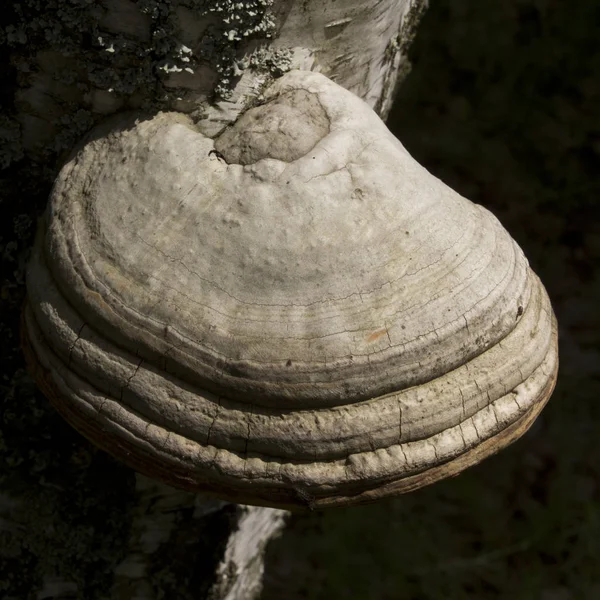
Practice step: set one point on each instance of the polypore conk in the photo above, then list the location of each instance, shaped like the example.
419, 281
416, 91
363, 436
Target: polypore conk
313, 321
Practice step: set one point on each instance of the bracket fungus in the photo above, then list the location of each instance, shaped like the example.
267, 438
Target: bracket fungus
293, 313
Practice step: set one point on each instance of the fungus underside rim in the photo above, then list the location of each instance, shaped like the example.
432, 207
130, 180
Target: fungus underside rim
277, 493
95, 411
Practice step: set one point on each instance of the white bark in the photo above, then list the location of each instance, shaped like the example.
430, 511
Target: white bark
360, 44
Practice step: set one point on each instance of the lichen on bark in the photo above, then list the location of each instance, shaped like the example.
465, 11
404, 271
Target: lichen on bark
93, 58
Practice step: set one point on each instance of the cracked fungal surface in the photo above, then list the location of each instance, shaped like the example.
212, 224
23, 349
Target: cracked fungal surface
294, 314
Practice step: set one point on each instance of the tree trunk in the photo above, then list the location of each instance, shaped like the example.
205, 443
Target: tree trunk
73, 522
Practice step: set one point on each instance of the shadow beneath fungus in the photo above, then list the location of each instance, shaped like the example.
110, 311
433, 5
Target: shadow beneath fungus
503, 105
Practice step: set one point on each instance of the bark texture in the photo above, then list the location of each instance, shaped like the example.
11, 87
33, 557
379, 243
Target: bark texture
206, 58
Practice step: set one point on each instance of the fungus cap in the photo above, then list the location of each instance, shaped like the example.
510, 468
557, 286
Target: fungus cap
294, 314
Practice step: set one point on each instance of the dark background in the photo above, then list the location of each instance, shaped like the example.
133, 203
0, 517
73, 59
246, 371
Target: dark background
502, 104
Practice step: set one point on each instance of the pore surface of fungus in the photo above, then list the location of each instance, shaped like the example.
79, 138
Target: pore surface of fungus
295, 313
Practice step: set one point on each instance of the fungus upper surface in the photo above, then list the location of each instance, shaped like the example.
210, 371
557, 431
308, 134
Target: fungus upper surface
295, 309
